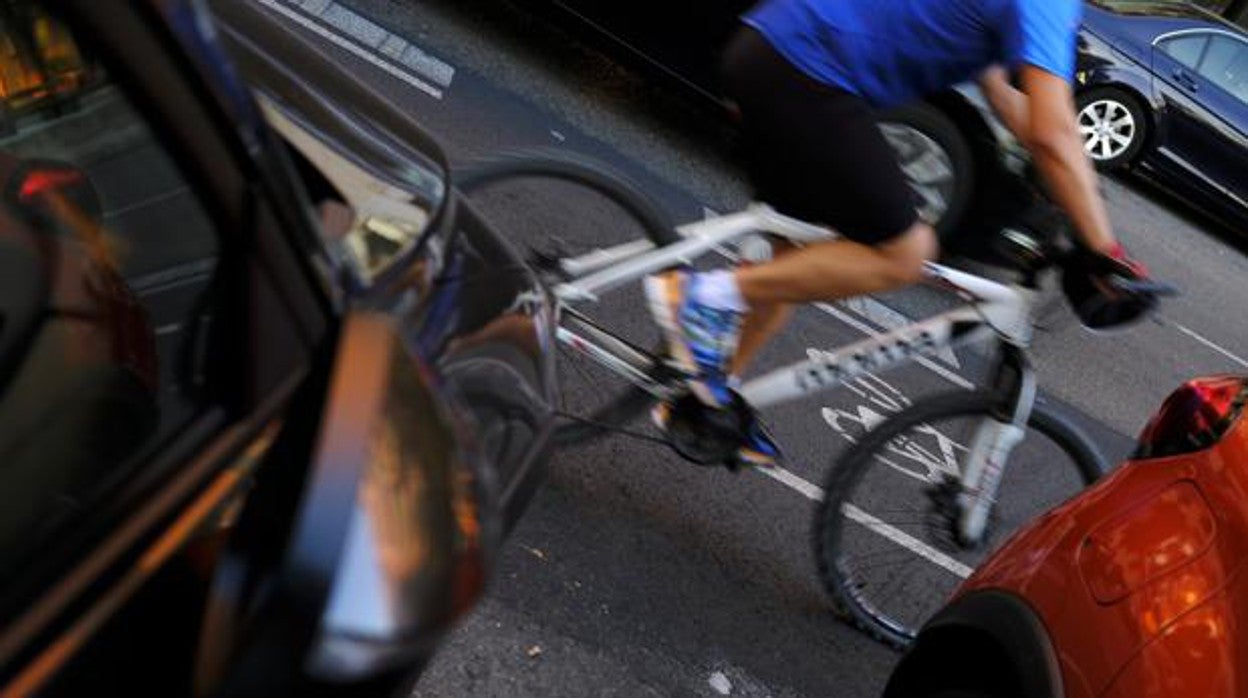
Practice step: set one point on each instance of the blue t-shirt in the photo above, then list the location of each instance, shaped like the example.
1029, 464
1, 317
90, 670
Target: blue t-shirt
890, 52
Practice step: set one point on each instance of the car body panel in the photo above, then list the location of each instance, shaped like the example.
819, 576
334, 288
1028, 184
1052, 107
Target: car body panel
474, 328
461, 278
1127, 572
1201, 654
1131, 27
467, 402
1207, 128
1100, 63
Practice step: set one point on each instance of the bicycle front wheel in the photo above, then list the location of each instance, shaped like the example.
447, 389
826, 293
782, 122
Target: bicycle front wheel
884, 533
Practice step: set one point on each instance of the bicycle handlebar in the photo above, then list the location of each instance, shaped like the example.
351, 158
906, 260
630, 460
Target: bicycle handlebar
1147, 286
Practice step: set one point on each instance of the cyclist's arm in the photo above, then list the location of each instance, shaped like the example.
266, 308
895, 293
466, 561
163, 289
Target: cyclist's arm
1006, 101
1051, 134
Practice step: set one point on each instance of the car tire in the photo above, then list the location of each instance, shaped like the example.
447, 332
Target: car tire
937, 161
1113, 126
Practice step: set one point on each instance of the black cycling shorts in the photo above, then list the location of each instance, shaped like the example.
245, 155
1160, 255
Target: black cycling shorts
813, 151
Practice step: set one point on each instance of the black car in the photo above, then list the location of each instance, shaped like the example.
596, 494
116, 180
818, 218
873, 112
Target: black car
948, 145
269, 395
1165, 86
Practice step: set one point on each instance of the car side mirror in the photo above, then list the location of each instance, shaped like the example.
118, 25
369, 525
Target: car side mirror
391, 540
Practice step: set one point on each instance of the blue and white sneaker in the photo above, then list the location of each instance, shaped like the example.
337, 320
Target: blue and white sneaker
701, 340
759, 448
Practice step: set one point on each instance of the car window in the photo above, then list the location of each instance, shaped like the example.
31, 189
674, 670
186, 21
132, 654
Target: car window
106, 263
1226, 65
380, 220
1186, 49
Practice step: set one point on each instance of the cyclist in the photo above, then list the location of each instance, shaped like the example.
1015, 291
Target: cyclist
808, 77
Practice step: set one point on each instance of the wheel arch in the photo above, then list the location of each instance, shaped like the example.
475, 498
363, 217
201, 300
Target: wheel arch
990, 641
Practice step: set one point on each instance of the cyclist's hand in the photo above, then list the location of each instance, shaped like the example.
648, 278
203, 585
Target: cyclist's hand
1116, 264
1110, 290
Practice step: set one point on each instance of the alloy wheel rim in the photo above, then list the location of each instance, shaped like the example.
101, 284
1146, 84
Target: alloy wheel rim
1108, 129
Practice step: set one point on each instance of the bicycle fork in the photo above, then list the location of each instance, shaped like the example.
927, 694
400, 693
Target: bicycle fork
994, 440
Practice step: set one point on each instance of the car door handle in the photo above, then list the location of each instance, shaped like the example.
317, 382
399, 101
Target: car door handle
1187, 81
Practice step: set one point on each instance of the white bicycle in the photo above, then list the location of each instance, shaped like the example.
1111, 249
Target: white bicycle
916, 501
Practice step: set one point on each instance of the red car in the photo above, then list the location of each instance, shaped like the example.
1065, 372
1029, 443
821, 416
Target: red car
1134, 588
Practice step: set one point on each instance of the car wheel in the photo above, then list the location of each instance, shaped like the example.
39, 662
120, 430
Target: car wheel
936, 159
1113, 126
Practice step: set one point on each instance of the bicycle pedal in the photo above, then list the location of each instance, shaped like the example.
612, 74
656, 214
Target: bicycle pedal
674, 368
705, 435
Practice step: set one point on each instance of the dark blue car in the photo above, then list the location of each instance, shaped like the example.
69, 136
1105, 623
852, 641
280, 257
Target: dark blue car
271, 391
1164, 86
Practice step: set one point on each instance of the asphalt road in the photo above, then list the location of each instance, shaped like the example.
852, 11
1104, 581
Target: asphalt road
634, 573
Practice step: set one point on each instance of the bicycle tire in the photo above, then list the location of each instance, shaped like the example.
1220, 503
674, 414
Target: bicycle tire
850, 470
654, 222
574, 168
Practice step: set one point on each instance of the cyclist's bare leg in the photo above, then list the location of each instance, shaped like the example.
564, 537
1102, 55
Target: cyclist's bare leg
763, 321
825, 271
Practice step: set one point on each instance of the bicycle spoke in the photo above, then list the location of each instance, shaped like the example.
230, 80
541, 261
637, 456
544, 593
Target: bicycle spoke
882, 558
892, 579
611, 215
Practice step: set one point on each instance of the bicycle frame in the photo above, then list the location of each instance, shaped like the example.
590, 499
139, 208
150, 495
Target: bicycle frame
992, 309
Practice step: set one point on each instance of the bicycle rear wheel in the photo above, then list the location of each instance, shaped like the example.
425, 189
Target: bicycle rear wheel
534, 191
883, 532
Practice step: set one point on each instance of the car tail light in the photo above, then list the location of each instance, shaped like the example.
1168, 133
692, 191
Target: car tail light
41, 180
1194, 417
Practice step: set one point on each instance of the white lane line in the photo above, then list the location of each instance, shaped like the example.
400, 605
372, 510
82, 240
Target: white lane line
374, 36
788, 479
1211, 345
905, 540
352, 47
